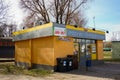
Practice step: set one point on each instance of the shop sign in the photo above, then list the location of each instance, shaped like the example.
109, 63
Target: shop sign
83, 34
59, 31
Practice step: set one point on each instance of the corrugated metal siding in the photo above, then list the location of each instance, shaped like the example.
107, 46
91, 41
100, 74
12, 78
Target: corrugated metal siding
34, 34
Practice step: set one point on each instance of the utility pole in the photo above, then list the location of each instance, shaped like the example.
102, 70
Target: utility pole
94, 22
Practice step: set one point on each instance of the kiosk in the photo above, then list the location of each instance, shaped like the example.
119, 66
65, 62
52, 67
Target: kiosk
40, 46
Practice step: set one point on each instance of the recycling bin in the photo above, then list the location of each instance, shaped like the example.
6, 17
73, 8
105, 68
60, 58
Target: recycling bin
61, 64
88, 63
69, 64
75, 61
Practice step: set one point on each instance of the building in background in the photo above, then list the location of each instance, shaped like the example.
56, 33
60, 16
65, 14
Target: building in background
115, 50
115, 45
7, 48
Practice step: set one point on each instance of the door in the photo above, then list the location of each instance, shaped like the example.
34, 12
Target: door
85, 53
82, 52
82, 46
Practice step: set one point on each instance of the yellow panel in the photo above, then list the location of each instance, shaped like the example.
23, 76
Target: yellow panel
45, 56
62, 48
99, 49
85, 29
93, 56
23, 52
45, 50
33, 29
42, 51
96, 31
73, 28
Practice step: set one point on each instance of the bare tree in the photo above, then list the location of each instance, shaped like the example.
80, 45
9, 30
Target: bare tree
66, 10
29, 20
115, 36
38, 7
2, 30
3, 11
3, 17
78, 20
11, 28
59, 11
7, 29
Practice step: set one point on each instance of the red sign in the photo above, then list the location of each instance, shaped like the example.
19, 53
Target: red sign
59, 31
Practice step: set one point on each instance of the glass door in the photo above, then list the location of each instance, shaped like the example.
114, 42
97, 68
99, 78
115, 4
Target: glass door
82, 53
84, 49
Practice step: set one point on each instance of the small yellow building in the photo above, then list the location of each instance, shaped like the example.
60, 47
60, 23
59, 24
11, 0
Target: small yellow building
40, 46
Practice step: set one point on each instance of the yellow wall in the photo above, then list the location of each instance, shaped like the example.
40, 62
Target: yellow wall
22, 51
62, 48
42, 51
46, 50
99, 46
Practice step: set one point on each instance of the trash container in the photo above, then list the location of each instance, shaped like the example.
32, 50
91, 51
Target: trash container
61, 64
75, 61
69, 64
88, 63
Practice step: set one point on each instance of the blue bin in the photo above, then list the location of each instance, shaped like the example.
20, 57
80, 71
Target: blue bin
88, 63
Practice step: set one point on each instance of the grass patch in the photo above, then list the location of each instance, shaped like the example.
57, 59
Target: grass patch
12, 69
112, 60
108, 57
107, 54
37, 72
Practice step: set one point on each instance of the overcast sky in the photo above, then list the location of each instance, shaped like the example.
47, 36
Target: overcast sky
106, 12
15, 11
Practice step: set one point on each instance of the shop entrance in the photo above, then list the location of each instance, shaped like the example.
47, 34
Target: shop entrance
84, 49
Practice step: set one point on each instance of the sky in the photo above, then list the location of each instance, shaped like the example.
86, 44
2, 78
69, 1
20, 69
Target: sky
15, 11
106, 13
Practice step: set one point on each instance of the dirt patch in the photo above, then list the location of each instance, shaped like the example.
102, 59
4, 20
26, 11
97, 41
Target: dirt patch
107, 71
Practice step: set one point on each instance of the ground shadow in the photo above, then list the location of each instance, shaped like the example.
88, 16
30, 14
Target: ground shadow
107, 70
